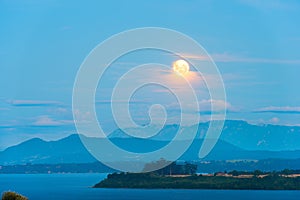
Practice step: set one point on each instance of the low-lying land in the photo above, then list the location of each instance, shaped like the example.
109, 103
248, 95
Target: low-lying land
249, 181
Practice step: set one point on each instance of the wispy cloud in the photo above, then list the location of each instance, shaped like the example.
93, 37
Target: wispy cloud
40, 121
6, 126
100, 102
274, 120
48, 121
274, 109
205, 107
225, 57
219, 105
32, 103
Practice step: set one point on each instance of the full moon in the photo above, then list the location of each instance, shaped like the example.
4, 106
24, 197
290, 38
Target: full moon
181, 67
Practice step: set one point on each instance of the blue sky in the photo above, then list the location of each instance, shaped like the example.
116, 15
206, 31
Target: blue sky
255, 45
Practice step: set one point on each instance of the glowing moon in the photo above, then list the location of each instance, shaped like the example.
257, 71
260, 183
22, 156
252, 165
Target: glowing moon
181, 67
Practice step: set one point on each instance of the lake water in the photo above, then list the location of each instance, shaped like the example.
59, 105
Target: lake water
78, 186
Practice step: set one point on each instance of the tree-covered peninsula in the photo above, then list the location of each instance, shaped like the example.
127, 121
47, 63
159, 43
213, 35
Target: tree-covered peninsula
184, 177
247, 182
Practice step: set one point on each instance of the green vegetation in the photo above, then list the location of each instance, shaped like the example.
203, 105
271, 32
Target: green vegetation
183, 176
13, 196
272, 181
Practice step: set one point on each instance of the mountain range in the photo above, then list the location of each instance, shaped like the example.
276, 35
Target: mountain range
239, 133
239, 141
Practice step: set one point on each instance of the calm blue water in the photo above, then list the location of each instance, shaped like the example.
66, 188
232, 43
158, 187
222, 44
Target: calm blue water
77, 186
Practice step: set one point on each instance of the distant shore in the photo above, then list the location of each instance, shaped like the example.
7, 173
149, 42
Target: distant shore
271, 181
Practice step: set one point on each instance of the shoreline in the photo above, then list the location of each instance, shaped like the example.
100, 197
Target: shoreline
194, 189
272, 182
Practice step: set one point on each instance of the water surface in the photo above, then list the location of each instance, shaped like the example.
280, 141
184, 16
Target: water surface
78, 186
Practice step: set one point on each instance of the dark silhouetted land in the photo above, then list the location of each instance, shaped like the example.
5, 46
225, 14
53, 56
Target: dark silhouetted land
234, 180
